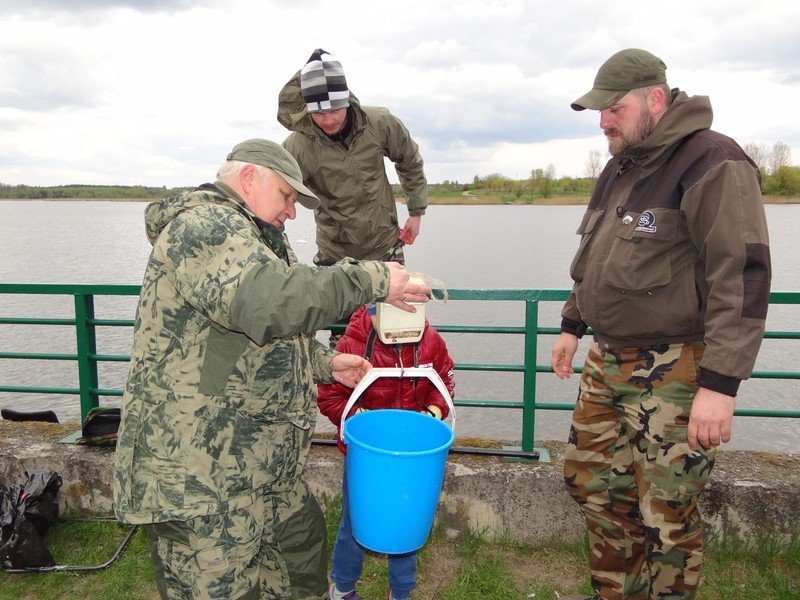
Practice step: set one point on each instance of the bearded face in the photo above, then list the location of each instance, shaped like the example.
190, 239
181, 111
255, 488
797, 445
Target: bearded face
627, 123
620, 140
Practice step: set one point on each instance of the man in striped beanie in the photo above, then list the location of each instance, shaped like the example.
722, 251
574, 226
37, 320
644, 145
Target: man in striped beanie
340, 146
322, 83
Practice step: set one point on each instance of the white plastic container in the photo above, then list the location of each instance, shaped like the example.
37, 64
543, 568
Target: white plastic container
396, 326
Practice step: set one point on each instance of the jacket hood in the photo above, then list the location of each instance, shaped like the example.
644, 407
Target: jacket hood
685, 116
160, 213
292, 112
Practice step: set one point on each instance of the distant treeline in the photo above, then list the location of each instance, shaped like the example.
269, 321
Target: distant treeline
35, 192
783, 181
541, 184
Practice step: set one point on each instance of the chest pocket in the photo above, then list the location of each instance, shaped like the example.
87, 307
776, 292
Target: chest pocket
639, 261
591, 219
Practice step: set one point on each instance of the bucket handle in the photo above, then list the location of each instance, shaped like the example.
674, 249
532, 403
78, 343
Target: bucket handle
376, 373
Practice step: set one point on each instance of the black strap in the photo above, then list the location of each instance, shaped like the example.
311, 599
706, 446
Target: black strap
368, 348
370, 344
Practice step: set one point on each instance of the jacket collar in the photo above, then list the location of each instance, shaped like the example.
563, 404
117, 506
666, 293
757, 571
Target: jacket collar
685, 116
271, 234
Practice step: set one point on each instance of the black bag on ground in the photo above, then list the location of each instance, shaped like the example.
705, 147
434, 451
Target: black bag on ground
100, 428
26, 513
43, 416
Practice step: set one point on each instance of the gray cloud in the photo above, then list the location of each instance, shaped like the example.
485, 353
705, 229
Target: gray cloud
558, 49
35, 78
536, 40
514, 120
465, 77
9, 123
10, 7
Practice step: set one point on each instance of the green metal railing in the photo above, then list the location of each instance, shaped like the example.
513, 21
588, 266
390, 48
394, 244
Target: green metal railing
85, 325
87, 358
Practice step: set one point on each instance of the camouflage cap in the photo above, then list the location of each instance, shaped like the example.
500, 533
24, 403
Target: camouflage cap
625, 71
276, 157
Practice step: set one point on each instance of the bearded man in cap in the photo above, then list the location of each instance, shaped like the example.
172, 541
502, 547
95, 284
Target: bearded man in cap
672, 275
340, 146
219, 405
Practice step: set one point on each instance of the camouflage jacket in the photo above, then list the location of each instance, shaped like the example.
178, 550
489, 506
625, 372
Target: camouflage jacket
357, 215
220, 397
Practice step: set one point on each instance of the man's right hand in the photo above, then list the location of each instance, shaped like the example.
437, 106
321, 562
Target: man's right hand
563, 352
710, 420
403, 290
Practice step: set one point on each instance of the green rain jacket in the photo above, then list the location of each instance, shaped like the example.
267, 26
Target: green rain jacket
357, 216
220, 398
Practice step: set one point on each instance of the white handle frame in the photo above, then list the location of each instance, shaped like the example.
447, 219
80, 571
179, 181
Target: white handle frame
399, 372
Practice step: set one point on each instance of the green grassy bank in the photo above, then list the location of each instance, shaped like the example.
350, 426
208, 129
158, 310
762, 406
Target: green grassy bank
467, 568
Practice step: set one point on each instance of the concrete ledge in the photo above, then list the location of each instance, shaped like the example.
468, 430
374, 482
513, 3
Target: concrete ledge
748, 491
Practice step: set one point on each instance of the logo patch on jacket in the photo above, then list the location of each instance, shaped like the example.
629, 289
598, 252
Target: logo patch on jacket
647, 222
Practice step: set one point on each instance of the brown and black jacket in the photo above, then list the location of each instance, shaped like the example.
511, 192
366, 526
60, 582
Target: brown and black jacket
674, 248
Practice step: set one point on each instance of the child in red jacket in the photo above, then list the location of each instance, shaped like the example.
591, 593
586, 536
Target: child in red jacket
416, 394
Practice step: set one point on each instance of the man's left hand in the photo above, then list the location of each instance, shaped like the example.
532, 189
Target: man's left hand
349, 369
410, 230
711, 419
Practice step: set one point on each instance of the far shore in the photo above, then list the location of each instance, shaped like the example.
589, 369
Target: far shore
559, 200
456, 200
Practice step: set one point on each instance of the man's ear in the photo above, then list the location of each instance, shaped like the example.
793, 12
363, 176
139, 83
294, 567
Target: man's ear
657, 101
246, 177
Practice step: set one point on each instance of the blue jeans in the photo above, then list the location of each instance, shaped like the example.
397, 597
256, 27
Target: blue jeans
348, 558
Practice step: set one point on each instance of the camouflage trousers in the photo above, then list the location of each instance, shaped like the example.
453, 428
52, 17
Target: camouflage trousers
276, 549
629, 467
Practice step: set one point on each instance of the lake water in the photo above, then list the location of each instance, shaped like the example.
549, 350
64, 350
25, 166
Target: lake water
463, 246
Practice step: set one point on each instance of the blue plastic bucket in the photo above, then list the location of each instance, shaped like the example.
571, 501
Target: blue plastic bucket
395, 468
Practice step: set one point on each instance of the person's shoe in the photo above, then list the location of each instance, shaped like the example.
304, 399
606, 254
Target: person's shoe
334, 594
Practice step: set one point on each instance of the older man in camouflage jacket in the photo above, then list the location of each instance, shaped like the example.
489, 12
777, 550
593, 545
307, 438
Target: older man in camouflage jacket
218, 409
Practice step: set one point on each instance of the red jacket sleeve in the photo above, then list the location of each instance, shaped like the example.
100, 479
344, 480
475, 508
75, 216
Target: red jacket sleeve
443, 364
333, 397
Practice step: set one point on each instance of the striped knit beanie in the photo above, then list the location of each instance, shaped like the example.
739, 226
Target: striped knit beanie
322, 83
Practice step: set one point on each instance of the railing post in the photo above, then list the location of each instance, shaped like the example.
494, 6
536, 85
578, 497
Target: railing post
529, 378
87, 344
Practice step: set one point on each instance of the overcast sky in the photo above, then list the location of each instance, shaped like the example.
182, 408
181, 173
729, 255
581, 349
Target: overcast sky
156, 92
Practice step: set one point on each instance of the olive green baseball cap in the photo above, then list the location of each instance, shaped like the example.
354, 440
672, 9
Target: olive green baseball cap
276, 157
625, 71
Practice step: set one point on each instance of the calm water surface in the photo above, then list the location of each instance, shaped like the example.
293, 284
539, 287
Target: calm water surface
463, 246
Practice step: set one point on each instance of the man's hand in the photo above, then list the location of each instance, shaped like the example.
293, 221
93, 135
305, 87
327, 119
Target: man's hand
410, 230
349, 369
403, 289
562, 354
711, 419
